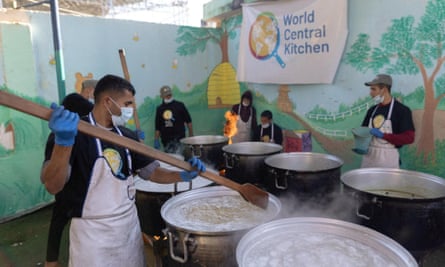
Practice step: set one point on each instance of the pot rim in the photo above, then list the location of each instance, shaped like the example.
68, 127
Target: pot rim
347, 178
206, 140
202, 193
366, 236
269, 159
274, 148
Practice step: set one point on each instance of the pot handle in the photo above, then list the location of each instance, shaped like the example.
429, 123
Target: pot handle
171, 239
176, 188
196, 152
374, 202
232, 159
277, 184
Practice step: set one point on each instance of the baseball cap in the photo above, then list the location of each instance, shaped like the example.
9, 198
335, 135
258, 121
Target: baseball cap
380, 79
165, 91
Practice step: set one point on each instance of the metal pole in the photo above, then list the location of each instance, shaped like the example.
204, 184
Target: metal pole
58, 49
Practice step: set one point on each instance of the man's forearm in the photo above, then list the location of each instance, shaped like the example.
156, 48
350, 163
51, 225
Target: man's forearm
401, 139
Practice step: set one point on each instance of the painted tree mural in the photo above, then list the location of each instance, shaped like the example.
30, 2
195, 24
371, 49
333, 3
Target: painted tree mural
406, 48
223, 88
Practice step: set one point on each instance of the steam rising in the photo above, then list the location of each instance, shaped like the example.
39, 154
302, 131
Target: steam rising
334, 205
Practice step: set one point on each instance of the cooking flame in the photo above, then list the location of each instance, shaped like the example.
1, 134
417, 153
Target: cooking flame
230, 126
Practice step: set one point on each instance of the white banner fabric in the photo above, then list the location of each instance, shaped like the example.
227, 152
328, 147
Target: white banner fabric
292, 42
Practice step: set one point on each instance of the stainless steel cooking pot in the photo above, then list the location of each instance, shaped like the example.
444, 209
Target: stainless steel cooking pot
206, 147
190, 242
244, 162
407, 206
150, 197
305, 175
307, 241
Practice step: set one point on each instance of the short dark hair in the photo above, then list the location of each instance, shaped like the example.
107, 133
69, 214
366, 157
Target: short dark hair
267, 114
112, 83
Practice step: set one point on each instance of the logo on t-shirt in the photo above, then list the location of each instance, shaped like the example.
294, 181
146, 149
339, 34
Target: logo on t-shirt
168, 118
378, 121
114, 160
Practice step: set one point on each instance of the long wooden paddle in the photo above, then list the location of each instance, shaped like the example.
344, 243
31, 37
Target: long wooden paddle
248, 191
127, 77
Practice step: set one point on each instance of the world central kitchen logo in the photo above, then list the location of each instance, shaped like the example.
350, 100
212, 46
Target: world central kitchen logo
300, 36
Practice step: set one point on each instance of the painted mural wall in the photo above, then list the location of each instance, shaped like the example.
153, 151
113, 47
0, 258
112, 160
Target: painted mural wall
200, 64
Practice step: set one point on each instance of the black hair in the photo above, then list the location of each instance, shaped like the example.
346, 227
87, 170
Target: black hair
76, 103
247, 94
112, 83
267, 114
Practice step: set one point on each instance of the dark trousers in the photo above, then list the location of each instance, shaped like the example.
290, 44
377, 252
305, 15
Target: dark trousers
59, 220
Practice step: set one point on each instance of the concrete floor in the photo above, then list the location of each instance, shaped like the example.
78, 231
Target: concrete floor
23, 243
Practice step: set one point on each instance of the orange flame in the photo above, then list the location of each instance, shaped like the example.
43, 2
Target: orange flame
230, 126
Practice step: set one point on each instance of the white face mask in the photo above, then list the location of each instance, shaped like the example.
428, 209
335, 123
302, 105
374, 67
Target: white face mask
168, 101
265, 125
378, 99
246, 103
126, 114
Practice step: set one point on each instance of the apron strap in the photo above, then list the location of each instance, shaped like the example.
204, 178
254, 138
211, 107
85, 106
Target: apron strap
99, 144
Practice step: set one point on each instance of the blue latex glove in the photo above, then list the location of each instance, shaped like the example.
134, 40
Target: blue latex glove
157, 144
63, 123
141, 134
376, 132
200, 167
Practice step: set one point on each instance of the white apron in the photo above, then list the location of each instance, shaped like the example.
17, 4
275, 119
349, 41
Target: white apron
108, 233
381, 153
243, 128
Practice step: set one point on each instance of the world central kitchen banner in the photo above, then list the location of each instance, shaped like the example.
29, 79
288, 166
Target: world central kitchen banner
292, 42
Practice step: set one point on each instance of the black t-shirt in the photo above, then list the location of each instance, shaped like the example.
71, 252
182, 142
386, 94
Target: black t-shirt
170, 120
277, 134
83, 157
401, 117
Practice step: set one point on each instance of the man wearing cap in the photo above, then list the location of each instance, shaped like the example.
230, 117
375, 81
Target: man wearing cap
171, 119
391, 125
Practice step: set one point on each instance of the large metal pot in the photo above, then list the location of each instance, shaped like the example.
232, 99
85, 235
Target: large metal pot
150, 197
311, 241
200, 243
244, 162
407, 206
305, 175
206, 147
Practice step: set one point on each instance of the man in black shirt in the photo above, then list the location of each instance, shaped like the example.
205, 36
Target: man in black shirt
268, 131
390, 123
81, 104
96, 179
171, 119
